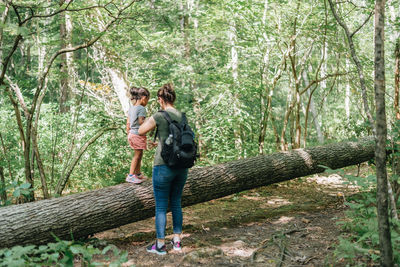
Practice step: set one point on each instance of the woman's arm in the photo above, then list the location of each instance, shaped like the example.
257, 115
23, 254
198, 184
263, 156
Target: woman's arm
141, 120
147, 126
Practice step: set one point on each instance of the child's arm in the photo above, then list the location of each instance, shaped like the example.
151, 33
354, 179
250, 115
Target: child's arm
128, 126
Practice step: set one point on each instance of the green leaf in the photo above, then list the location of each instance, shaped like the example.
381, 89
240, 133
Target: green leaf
17, 193
106, 249
25, 186
77, 249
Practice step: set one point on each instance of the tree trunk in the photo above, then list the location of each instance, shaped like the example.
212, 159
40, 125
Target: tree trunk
3, 192
64, 79
67, 70
99, 210
2, 21
120, 87
386, 252
348, 93
232, 35
397, 79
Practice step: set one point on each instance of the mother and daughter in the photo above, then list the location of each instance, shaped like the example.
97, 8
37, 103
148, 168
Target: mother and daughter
168, 183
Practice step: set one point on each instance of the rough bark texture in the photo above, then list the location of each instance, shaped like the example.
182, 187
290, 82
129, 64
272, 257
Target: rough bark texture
386, 251
3, 193
397, 79
95, 211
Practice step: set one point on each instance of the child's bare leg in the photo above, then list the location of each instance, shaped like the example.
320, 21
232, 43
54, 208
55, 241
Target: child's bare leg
137, 157
139, 165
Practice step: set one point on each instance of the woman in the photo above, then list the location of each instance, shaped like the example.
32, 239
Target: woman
167, 183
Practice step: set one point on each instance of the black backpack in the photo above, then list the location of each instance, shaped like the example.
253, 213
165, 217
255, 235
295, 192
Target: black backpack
179, 150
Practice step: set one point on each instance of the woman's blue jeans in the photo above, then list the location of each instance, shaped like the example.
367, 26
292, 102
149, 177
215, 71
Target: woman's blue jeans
168, 185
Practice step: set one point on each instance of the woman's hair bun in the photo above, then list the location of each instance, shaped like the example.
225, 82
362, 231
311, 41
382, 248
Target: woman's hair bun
168, 87
167, 93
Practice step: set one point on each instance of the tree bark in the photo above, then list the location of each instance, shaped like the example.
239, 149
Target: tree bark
386, 251
234, 65
64, 79
2, 21
99, 210
397, 79
3, 192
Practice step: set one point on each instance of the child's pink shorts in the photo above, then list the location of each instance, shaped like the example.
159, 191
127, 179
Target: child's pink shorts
137, 141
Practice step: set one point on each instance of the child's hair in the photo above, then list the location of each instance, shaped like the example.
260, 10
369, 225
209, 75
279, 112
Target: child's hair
138, 92
167, 93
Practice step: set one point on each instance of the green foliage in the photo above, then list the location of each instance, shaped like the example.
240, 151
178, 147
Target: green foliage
61, 253
153, 46
361, 238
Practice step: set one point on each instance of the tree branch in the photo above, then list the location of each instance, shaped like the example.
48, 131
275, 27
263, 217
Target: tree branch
18, 93
362, 25
357, 63
63, 180
18, 116
61, 11
6, 61
320, 80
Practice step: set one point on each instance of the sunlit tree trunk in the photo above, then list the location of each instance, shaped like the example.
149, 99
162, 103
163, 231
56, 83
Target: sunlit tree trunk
64, 79
294, 104
235, 74
397, 80
120, 87
395, 37
67, 70
381, 135
2, 21
348, 93
266, 90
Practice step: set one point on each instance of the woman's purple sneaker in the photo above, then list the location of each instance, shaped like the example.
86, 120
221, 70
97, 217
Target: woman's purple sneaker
176, 245
154, 249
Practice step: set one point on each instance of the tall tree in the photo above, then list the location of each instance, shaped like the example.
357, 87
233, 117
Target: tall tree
66, 60
381, 136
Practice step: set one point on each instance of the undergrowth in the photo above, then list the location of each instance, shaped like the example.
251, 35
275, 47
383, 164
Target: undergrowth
63, 253
359, 244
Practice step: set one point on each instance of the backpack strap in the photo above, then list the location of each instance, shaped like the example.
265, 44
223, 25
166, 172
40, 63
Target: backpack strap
167, 118
184, 119
155, 135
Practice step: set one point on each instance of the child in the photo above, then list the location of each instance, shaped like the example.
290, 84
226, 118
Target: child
136, 116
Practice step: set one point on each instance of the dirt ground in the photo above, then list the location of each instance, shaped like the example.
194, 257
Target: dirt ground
287, 224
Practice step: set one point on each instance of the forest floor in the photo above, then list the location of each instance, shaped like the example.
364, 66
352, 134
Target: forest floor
288, 224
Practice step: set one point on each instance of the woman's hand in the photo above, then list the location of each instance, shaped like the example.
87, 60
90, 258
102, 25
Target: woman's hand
148, 125
151, 144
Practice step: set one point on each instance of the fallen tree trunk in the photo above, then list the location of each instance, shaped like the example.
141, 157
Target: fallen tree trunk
87, 213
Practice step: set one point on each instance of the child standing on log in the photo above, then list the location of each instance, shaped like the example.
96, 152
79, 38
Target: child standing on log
136, 116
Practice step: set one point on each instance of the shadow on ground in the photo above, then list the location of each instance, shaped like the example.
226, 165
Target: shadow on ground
287, 224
